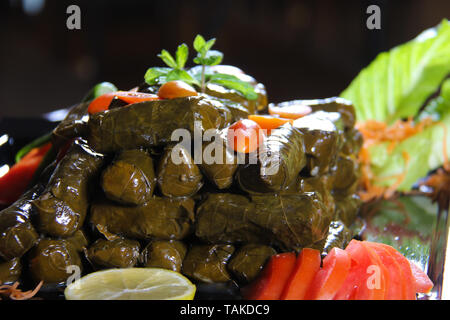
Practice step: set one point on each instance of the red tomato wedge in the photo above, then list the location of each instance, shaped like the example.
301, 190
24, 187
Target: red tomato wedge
270, 284
357, 285
293, 111
306, 267
102, 103
406, 274
17, 179
395, 288
245, 136
269, 122
176, 89
330, 278
422, 283
379, 275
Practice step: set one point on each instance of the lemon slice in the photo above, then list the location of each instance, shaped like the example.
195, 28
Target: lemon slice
131, 284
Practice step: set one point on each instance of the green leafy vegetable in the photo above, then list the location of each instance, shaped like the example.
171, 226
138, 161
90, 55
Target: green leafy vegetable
175, 70
182, 55
168, 59
177, 74
438, 107
156, 75
200, 45
425, 149
206, 58
397, 83
232, 82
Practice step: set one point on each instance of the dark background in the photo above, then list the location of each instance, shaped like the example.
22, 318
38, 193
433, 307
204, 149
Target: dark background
298, 49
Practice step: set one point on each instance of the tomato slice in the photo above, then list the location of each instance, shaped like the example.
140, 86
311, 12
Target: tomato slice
293, 111
379, 274
358, 285
395, 288
306, 267
423, 284
273, 278
407, 275
102, 102
245, 136
269, 122
331, 277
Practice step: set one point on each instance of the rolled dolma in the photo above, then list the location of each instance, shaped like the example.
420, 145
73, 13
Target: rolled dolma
248, 261
160, 218
225, 112
237, 110
17, 234
321, 186
10, 271
74, 124
164, 254
178, 175
52, 261
79, 240
333, 104
224, 218
208, 263
347, 208
345, 174
218, 91
151, 123
293, 221
130, 179
63, 205
117, 253
219, 168
280, 159
322, 141
353, 142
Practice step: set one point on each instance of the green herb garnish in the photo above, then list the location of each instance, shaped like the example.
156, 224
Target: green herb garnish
198, 77
205, 56
175, 69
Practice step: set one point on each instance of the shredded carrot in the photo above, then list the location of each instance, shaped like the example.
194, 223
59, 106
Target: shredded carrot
375, 132
14, 293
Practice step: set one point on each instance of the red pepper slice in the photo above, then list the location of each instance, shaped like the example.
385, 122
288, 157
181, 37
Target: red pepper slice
19, 176
270, 284
102, 102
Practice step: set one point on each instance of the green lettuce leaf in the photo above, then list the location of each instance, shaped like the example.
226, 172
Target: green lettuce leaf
398, 82
438, 107
425, 149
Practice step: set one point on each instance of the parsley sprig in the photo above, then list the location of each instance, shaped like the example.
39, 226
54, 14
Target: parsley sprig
199, 77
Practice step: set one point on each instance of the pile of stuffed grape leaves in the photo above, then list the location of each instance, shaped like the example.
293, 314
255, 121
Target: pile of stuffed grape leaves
120, 192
